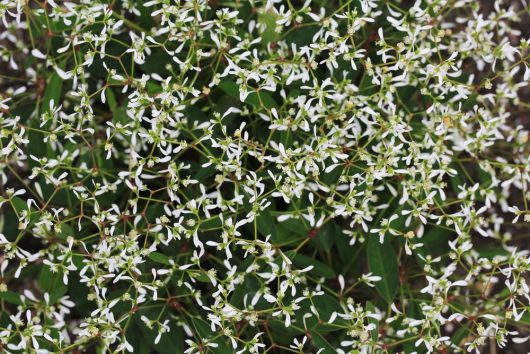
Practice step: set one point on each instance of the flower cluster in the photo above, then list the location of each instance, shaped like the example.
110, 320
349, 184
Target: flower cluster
193, 176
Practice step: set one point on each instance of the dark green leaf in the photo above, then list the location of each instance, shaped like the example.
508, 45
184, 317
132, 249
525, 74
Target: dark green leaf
321, 343
382, 261
204, 331
374, 332
10, 297
111, 99
257, 99
53, 91
159, 258
319, 268
267, 225
52, 283
19, 204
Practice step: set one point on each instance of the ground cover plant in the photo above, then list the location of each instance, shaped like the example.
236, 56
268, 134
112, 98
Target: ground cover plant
342, 176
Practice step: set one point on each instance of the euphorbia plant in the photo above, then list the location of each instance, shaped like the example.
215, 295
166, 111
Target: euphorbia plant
264, 176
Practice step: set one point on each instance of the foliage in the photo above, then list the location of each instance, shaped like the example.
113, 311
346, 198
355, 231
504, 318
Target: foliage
263, 176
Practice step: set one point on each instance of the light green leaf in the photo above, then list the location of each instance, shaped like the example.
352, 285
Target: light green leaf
268, 20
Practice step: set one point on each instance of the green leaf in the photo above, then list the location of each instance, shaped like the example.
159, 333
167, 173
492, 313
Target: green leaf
53, 91
249, 288
120, 115
290, 228
492, 252
325, 237
348, 254
282, 333
460, 335
319, 268
205, 332
374, 332
10, 297
457, 179
382, 262
257, 99
321, 343
142, 338
153, 88
326, 305
45, 278
172, 342
268, 20
213, 222
111, 99
66, 230
159, 258
484, 176
52, 283
19, 204
436, 240
267, 225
